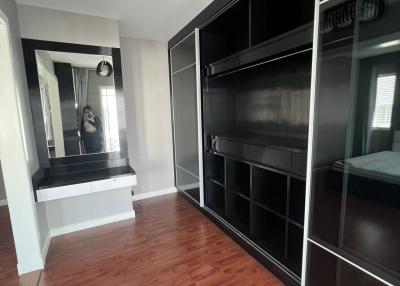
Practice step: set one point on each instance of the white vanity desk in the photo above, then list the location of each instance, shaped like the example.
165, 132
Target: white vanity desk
72, 185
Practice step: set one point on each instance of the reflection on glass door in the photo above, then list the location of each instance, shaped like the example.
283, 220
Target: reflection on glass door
355, 186
185, 117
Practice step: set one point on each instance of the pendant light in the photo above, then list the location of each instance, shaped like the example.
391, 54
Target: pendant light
104, 68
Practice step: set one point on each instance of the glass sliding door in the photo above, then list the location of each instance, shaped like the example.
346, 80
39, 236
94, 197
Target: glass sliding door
185, 116
355, 183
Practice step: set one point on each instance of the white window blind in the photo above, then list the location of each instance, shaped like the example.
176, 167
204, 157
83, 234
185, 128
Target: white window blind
385, 89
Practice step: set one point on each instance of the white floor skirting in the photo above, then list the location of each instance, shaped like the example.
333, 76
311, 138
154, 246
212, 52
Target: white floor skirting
148, 195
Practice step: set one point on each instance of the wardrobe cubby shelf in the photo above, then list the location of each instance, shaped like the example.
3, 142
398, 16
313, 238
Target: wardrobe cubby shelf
262, 203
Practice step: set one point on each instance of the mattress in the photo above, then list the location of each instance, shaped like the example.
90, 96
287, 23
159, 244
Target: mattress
383, 166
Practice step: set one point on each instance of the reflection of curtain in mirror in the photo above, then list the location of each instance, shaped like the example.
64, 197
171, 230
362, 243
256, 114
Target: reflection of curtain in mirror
110, 119
80, 77
370, 108
46, 107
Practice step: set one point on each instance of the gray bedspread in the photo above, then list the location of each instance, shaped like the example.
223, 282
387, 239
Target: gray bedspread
386, 163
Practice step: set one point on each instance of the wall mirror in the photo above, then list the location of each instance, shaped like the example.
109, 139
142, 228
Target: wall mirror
78, 103
78, 110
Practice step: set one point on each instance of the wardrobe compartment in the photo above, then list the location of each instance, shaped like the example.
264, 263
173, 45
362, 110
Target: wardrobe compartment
269, 189
215, 197
238, 177
269, 231
227, 34
297, 200
294, 252
215, 167
238, 211
266, 18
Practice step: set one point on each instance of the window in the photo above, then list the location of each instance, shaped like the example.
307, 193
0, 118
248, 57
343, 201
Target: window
385, 88
110, 119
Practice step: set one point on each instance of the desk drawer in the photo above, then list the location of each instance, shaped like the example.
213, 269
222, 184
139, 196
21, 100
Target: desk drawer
63, 192
113, 183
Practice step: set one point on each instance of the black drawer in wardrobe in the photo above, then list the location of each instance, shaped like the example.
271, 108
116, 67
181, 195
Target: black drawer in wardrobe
278, 158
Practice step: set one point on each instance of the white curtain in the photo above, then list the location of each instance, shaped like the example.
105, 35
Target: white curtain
80, 76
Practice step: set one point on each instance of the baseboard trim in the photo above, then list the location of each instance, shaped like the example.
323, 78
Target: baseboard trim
148, 195
45, 248
91, 223
3, 203
33, 266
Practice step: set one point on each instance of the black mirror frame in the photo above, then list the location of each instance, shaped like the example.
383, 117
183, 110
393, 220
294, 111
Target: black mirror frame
99, 160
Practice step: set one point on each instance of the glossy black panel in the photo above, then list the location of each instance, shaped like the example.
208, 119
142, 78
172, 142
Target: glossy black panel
63, 72
183, 54
372, 213
321, 267
326, 269
355, 205
266, 17
227, 34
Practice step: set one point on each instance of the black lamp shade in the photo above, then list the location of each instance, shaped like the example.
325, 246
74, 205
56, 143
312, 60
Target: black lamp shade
104, 68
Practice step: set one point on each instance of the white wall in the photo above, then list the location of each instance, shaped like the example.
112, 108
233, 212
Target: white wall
60, 26
148, 112
17, 136
74, 213
10, 8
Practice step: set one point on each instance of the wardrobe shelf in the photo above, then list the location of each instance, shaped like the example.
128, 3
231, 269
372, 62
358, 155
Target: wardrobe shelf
271, 211
286, 153
216, 182
292, 42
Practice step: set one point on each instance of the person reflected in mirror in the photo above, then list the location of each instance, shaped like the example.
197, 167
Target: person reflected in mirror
91, 131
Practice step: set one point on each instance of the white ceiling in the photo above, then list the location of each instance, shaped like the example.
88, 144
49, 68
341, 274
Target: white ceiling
78, 60
147, 19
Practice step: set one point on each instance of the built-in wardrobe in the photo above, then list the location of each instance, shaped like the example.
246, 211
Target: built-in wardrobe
245, 76
251, 89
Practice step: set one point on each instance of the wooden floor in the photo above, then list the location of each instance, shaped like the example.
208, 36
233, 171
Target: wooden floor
8, 258
168, 243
